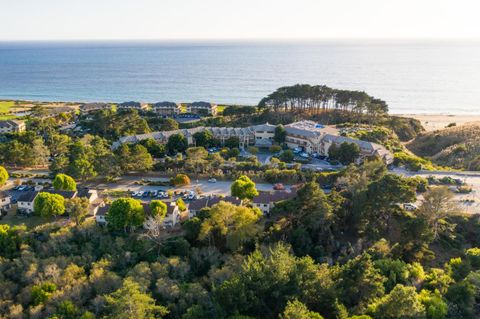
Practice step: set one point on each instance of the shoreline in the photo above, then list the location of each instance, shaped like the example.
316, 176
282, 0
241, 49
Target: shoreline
433, 122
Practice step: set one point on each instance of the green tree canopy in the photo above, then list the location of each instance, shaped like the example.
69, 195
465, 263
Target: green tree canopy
280, 134
346, 153
229, 226
77, 208
3, 175
47, 205
125, 213
158, 209
177, 143
64, 182
130, 302
243, 188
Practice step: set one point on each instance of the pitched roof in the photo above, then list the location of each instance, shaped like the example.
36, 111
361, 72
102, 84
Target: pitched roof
64, 194
267, 127
166, 104
130, 104
198, 204
202, 104
4, 195
10, 123
27, 196
273, 197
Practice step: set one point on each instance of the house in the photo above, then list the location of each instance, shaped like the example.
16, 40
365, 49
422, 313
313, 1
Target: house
172, 218
166, 108
197, 205
265, 201
12, 126
25, 202
202, 108
132, 106
90, 194
5, 201
101, 213
92, 107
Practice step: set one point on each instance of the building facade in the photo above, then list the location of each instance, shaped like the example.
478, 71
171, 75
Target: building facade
12, 126
202, 108
166, 108
305, 136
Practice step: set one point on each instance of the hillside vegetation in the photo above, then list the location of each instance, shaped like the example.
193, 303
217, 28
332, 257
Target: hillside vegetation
458, 147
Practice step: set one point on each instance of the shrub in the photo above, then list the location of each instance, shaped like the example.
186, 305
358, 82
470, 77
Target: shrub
180, 180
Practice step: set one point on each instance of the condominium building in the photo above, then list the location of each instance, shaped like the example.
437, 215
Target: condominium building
166, 108
12, 126
202, 108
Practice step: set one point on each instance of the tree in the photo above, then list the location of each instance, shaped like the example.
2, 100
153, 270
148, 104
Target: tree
177, 143
42, 293
82, 169
243, 188
64, 182
180, 180
130, 302
203, 138
181, 205
232, 142
125, 213
77, 208
275, 149
158, 209
155, 149
297, 310
47, 205
346, 153
3, 176
253, 150
436, 206
229, 226
134, 158
401, 302
280, 134
287, 156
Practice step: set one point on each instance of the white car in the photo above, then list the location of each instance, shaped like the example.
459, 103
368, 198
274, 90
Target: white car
212, 180
304, 155
410, 206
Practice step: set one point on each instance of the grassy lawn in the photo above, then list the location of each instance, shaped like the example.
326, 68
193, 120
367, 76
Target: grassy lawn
13, 219
220, 109
5, 106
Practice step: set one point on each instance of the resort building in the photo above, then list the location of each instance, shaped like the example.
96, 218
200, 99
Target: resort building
166, 108
12, 126
93, 107
264, 134
304, 136
202, 108
132, 106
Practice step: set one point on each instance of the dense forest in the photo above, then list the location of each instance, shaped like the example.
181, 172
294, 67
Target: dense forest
351, 253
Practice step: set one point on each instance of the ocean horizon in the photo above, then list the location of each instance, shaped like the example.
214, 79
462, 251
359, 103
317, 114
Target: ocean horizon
413, 76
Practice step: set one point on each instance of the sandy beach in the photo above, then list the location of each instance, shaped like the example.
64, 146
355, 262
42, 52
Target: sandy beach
432, 122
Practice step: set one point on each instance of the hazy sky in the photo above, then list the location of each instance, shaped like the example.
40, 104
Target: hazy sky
214, 19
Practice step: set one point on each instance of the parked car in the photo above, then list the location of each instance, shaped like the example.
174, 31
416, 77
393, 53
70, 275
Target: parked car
304, 155
145, 194
410, 206
153, 193
212, 180
297, 150
279, 187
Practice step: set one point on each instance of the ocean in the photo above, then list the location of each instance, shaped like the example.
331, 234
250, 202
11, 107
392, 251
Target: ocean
441, 77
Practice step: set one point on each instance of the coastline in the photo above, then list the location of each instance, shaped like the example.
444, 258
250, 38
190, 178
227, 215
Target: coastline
433, 122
